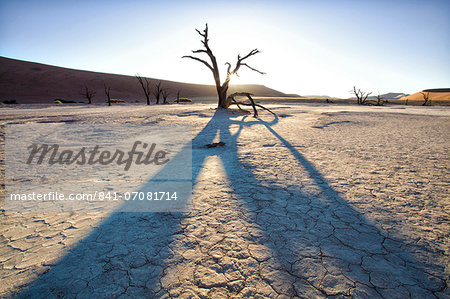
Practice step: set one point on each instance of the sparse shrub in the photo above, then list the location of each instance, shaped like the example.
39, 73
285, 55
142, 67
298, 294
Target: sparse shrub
116, 101
64, 101
183, 100
10, 102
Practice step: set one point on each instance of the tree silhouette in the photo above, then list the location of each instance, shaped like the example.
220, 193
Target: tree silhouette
178, 95
165, 94
222, 88
145, 84
361, 96
107, 92
158, 92
89, 94
426, 98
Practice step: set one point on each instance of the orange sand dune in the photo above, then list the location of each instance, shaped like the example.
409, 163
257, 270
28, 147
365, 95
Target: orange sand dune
442, 94
29, 82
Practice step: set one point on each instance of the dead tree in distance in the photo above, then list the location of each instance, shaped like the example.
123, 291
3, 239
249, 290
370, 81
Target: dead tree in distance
380, 100
361, 96
426, 98
178, 95
165, 93
157, 92
145, 84
89, 94
107, 92
222, 88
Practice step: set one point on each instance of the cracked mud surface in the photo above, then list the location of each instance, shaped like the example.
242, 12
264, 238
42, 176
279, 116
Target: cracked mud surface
323, 201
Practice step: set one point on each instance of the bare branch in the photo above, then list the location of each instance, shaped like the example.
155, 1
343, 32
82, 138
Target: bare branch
200, 51
252, 52
229, 67
257, 105
240, 59
201, 60
198, 31
252, 102
253, 69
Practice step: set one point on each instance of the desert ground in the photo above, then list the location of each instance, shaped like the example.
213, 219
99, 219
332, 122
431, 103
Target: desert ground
318, 201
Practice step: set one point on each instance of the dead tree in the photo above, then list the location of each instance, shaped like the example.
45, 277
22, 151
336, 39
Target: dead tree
158, 92
222, 88
426, 98
88, 94
107, 92
165, 93
380, 100
178, 95
361, 96
145, 84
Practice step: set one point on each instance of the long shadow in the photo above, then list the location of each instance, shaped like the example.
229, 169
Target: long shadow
316, 239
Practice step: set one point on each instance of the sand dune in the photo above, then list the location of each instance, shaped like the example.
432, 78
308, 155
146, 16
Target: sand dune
29, 82
389, 95
441, 94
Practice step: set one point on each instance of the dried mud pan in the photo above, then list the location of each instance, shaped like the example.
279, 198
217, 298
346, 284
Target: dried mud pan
319, 201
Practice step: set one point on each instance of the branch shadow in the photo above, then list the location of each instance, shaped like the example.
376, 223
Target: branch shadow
319, 244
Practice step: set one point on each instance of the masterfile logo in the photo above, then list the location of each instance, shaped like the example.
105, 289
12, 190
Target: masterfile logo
76, 167
52, 154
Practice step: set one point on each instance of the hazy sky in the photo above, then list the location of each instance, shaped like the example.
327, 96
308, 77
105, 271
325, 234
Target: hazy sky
308, 47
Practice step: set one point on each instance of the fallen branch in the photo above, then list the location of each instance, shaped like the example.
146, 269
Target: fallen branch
252, 102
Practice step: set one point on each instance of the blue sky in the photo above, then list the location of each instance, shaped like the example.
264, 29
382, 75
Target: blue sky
308, 47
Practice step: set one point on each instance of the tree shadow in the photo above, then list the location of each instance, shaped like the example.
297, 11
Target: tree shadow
317, 242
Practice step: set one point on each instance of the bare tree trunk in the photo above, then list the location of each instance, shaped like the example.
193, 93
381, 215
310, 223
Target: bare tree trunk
107, 92
380, 101
165, 94
89, 94
145, 84
158, 91
178, 95
223, 100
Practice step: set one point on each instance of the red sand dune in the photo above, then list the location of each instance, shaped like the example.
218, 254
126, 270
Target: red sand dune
29, 82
